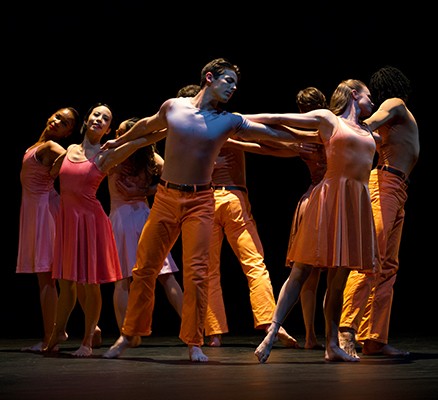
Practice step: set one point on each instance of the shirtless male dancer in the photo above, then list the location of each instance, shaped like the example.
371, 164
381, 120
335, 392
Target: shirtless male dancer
368, 298
195, 129
233, 219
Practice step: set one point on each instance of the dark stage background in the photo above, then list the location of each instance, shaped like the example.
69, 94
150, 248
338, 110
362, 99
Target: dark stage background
134, 59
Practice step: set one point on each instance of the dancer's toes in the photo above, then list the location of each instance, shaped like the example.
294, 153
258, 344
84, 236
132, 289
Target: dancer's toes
36, 348
335, 353
371, 348
262, 353
263, 350
83, 351
196, 354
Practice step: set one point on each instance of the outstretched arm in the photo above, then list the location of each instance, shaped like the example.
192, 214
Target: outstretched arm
323, 121
144, 128
309, 120
275, 148
111, 156
254, 131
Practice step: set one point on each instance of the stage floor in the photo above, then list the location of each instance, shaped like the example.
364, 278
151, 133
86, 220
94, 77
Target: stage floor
160, 369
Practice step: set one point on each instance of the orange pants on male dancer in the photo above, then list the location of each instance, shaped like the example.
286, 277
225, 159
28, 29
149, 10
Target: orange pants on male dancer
234, 220
368, 299
173, 212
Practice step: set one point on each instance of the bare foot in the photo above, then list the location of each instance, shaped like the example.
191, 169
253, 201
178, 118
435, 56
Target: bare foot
196, 354
83, 351
263, 350
311, 343
36, 348
215, 341
371, 348
286, 339
97, 338
335, 353
347, 342
52, 346
120, 345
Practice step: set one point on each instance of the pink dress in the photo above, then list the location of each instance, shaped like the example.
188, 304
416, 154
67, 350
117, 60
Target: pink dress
39, 204
128, 218
337, 228
85, 249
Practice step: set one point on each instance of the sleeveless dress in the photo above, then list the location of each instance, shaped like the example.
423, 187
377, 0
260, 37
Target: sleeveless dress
337, 228
128, 218
317, 165
39, 205
85, 249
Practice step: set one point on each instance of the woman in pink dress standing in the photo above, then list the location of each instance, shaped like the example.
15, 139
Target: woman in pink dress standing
39, 204
85, 252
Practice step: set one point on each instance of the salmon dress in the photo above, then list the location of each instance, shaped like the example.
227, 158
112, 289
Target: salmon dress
86, 250
39, 205
128, 217
337, 227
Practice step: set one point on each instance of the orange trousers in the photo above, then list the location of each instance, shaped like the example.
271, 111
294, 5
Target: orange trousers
234, 220
368, 298
173, 213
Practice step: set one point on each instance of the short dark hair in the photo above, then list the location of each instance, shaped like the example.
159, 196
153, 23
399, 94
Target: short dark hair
188, 91
310, 98
217, 68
